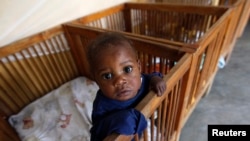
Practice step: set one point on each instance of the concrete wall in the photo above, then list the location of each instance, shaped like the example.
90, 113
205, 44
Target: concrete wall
22, 18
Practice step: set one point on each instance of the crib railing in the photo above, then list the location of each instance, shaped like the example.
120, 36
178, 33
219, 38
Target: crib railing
244, 17
241, 9
202, 30
154, 56
29, 69
238, 18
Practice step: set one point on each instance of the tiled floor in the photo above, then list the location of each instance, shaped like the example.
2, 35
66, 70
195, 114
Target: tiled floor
229, 99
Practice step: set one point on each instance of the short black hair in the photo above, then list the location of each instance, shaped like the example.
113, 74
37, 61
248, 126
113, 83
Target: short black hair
104, 41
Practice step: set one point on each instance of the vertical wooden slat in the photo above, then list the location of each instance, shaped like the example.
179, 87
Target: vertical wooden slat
146, 60
159, 119
34, 64
12, 104
33, 74
70, 61
152, 128
63, 58
43, 67
65, 47
57, 60
177, 104
16, 73
15, 85
53, 75
164, 113
60, 59
24, 78
36, 89
127, 18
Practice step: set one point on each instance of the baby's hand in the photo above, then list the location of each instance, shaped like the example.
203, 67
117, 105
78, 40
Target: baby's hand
158, 85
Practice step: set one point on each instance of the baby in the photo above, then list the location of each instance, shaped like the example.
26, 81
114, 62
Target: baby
115, 67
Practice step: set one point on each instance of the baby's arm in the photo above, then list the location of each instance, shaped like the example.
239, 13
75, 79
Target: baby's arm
158, 85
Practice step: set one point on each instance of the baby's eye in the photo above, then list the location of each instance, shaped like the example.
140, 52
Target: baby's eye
107, 76
128, 69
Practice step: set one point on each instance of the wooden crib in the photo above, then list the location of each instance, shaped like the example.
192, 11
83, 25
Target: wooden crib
203, 31
34, 66
240, 12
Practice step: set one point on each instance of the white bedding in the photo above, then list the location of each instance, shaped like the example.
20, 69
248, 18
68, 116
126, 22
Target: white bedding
61, 115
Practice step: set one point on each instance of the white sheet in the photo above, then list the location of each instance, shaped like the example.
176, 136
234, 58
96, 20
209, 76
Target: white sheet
61, 115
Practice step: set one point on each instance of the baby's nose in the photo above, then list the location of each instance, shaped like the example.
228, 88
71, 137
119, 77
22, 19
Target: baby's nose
120, 81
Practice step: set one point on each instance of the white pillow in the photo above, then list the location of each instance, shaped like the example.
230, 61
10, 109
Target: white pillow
64, 114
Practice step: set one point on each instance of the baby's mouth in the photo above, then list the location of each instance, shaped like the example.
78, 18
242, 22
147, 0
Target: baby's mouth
124, 93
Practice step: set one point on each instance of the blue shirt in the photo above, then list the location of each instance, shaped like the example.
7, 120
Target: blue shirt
113, 116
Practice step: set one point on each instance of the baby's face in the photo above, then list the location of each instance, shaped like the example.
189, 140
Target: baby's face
117, 72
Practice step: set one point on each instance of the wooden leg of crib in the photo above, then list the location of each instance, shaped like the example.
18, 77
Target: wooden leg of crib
208, 89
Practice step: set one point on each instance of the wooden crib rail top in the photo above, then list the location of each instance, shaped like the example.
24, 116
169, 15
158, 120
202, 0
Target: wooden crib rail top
201, 9
28, 41
169, 44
